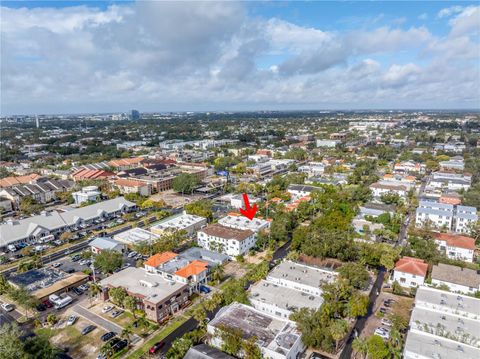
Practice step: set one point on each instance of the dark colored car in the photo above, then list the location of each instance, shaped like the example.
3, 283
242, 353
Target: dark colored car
88, 329
41, 307
107, 336
77, 291
156, 347
204, 289
119, 345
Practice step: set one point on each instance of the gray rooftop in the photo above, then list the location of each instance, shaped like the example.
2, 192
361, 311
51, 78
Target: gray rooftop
153, 287
284, 298
271, 332
213, 258
458, 275
203, 351
427, 346
300, 273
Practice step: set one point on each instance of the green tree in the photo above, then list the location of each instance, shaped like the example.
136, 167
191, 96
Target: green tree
376, 348
130, 303
11, 347
250, 349
185, 183
358, 306
29, 206
355, 274
338, 330
202, 208
108, 260
231, 340
359, 346
117, 295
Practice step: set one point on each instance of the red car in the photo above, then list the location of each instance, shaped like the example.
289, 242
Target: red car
156, 347
47, 303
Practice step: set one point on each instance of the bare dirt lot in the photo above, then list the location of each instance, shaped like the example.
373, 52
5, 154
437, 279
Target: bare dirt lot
234, 270
174, 199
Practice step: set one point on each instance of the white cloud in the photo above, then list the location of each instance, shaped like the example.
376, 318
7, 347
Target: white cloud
449, 11
166, 55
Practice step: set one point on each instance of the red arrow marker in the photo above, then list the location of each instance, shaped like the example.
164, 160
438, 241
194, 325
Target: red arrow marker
248, 212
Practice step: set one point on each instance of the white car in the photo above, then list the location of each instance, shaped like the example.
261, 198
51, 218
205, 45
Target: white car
56, 264
386, 322
383, 333
8, 307
84, 262
72, 319
132, 254
107, 308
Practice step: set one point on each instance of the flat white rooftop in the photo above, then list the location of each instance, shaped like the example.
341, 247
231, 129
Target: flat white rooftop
241, 222
136, 235
302, 274
179, 222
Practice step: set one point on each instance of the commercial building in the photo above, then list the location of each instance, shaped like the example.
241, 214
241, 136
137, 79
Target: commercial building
410, 272
135, 236
158, 297
456, 246
126, 185
43, 282
457, 279
100, 244
300, 277
281, 301
443, 325
277, 338
181, 222
32, 229
230, 241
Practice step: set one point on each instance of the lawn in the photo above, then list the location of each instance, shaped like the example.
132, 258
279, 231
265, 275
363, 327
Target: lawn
126, 318
177, 322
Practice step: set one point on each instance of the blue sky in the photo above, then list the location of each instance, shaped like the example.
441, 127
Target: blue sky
246, 55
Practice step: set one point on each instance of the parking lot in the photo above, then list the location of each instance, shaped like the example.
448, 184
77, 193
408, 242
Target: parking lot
387, 304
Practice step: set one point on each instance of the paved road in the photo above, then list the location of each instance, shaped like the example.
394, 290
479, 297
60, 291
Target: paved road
360, 324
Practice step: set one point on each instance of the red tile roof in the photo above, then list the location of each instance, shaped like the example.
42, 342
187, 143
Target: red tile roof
455, 240
123, 182
412, 265
194, 268
160, 258
15, 180
86, 173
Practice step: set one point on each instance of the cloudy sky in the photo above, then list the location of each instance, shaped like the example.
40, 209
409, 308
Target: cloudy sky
93, 56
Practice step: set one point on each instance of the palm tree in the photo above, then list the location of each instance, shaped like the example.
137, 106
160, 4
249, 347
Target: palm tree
127, 332
359, 346
142, 321
93, 290
338, 330
200, 314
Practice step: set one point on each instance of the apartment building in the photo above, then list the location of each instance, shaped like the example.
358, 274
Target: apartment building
379, 189
299, 190
301, 277
236, 220
442, 215
86, 194
457, 279
409, 272
456, 247
133, 186
443, 325
278, 338
230, 241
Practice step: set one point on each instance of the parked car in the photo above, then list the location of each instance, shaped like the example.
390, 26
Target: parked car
77, 291
156, 347
383, 310
83, 287
47, 303
119, 345
85, 262
204, 289
120, 221
116, 313
76, 257
56, 264
8, 307
41, 307
386, 322
70, 270
132, 254
107, 308
88, 329
382, 332
72, 319
107, 336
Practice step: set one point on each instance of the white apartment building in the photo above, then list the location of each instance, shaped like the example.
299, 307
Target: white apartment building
236, 220
312, 169
181, 222
457, 279
299, 190
89, 193
230, 241
300, 277
237, 201
448, 216
409, 272
379, 189
328, 143
443, 325
455, 246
